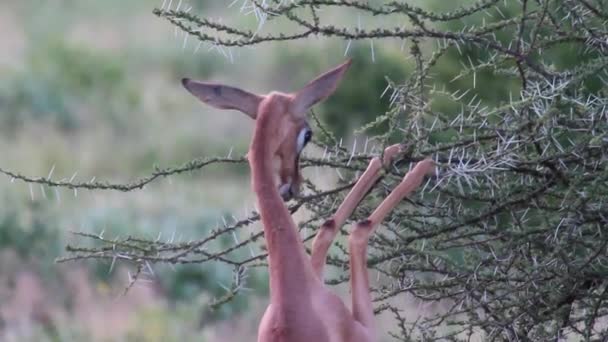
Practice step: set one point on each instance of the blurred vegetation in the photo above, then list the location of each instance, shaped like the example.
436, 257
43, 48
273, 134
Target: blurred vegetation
33, 240
84, 93
58, 80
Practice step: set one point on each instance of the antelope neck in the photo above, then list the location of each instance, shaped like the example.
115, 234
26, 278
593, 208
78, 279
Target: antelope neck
290, 270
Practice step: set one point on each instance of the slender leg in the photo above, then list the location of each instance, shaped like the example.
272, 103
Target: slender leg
358, 239
329, 229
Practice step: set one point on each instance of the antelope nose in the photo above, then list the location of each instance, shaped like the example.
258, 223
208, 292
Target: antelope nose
286, 192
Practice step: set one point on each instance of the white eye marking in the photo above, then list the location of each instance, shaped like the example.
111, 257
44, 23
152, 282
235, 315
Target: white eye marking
303, 138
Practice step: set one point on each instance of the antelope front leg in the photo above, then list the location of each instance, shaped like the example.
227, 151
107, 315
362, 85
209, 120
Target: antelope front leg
363, 311
328, 231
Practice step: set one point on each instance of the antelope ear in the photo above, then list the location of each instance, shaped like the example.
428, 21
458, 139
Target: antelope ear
318, 89
224, 97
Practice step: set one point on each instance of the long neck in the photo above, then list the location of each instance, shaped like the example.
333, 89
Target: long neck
290, 269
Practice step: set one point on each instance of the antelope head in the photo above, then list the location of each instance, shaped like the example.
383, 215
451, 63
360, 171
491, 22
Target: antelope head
282, 130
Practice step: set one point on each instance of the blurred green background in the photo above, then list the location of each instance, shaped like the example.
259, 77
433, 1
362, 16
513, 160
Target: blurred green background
92, 88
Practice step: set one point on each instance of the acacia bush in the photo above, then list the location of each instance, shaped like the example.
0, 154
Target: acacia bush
509, 238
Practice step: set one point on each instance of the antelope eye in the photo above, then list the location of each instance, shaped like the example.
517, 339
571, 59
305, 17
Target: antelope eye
303, 138
307, 137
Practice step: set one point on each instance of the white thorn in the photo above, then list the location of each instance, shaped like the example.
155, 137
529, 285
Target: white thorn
347, 47
373, 52
51, 172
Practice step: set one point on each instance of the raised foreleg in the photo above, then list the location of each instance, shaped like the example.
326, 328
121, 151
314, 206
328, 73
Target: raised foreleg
329, 229
358, 240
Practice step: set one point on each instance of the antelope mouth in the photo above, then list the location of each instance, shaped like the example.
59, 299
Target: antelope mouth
288, 191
